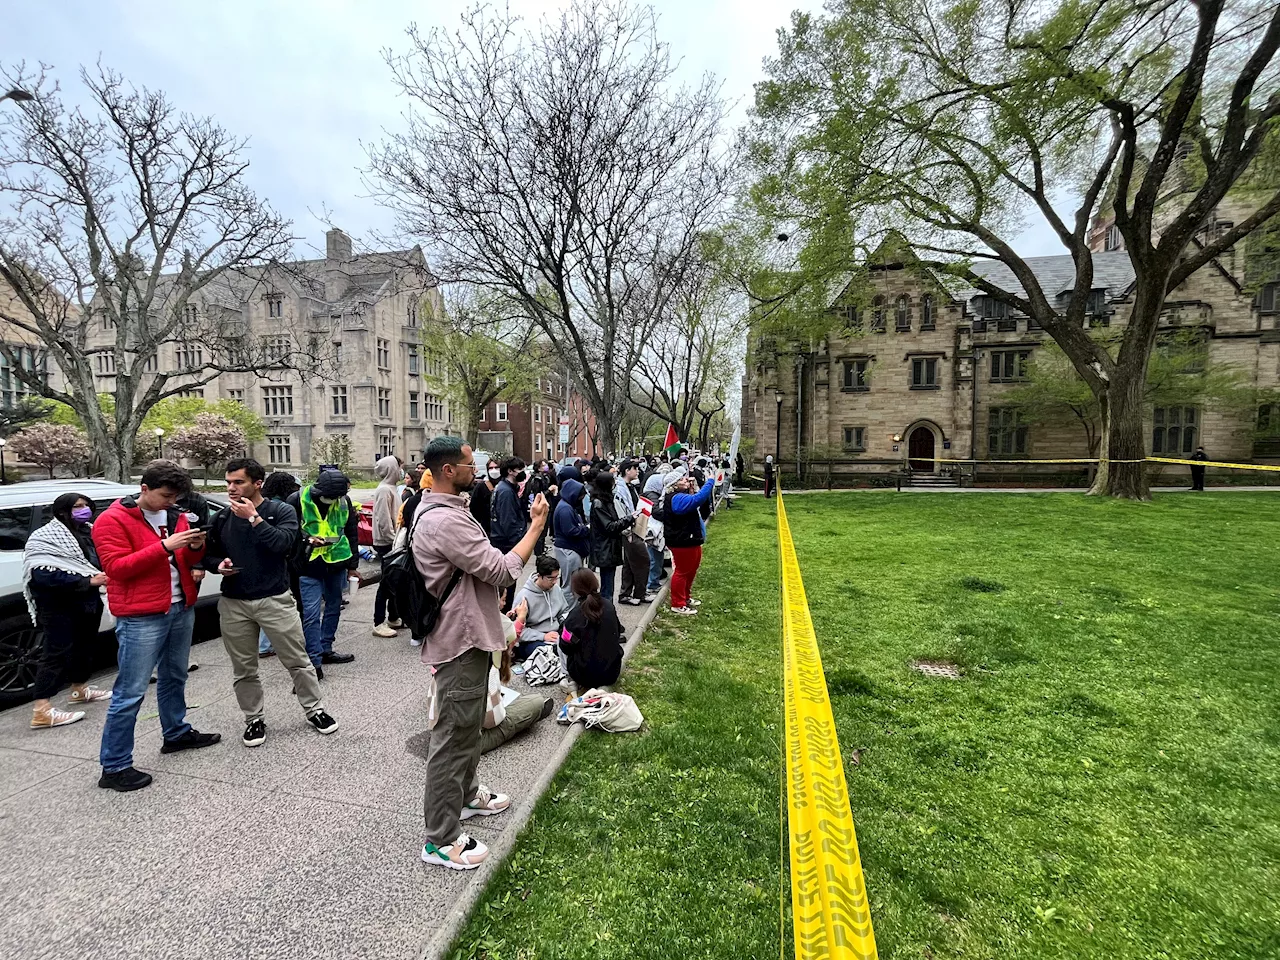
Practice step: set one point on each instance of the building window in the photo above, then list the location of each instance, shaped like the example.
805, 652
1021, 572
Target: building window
1269, 298
926, 313
384, 403
236, 395
435, 407
537, 443
537, 414
413, 404
190, 356
855, 439
1174, 430
337, 353
278, 448
1269, 419
384, 354
190, 314
924, 373
877, 315
275, 307
902, 316
1006, 433
989, 308
1009, 365
385, 446
11, 388
338, 401
413, 361
191, 393
104, 364
1096, 309
1113, 240
484, 414
151, 364
411, 313
276, 349
1007, 325
277, 401
502, 412
108, 321
855, 376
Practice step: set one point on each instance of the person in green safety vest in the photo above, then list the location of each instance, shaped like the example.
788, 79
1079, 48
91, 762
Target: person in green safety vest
328, 551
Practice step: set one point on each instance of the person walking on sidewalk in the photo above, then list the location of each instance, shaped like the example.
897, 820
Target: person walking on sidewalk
61, 581
327, 550
685, 533
385, 509
249, 545
449, 547
148, 549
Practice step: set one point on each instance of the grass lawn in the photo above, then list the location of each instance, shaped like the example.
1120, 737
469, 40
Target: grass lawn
1103, 782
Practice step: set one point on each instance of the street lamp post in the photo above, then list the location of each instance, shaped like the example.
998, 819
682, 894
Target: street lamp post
3, 441
160, 443
777, 446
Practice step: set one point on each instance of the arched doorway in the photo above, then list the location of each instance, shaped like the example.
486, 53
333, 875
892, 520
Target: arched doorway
920, 449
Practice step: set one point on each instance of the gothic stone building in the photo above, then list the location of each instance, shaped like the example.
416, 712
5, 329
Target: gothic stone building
922, 383
362, 312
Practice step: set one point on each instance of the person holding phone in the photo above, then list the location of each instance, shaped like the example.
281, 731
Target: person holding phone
148, 550
250, 544
328, 550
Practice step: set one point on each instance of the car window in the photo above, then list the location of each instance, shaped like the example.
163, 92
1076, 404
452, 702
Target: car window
15, 525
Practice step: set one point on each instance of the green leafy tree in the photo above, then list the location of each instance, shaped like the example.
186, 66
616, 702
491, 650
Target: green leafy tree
333, 449
483, 353
177, 412
948, 121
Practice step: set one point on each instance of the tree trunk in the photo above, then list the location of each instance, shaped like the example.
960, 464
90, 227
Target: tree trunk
1121, 471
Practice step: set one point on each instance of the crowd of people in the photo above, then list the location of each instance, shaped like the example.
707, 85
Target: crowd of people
286, 552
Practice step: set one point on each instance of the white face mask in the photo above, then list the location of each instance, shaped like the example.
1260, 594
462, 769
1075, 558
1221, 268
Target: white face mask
495, 474
326, 501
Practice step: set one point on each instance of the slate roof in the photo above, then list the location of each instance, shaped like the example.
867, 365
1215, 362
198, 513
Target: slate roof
1057, 275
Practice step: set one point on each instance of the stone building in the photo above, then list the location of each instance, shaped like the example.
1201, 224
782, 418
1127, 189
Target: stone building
361, 312
921, 382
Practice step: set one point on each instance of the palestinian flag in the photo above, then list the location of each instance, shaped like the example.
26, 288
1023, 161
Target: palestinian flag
672, 446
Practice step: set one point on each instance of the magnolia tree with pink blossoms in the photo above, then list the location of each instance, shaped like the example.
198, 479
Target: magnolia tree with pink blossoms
210, 439
51, 445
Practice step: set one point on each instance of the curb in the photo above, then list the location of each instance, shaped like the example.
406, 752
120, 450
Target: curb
437, 946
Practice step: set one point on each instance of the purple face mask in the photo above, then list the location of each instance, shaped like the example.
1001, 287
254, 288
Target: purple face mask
82, 514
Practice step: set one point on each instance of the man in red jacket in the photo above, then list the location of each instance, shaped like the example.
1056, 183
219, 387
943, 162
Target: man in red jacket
147, 549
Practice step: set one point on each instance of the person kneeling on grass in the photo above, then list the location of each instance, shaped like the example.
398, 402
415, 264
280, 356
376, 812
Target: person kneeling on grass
503, 722
547, 608
591, 640
685, 533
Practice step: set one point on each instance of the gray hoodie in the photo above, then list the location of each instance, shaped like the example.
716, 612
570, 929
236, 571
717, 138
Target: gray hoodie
547, 610
385, 501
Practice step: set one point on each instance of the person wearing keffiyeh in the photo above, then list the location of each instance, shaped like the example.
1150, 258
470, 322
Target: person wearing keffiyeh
61, 577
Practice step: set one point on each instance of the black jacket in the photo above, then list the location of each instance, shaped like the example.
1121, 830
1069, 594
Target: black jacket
594, 650
607, 531
261, 551
318, 569
507, 519
481, 504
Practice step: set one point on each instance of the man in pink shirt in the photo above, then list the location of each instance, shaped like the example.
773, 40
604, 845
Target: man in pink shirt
447, 538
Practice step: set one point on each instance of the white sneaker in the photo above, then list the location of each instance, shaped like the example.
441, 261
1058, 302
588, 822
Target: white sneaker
694, 603
684, 611
89, 695
486, 804
415, 642
383, 630
54, 717
465, 853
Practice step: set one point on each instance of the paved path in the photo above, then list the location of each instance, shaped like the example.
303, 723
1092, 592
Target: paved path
305, 847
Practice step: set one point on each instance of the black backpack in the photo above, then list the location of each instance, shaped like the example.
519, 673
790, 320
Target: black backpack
417, 605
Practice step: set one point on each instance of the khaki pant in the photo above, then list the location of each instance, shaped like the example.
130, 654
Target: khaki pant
453, 756
278, 618
522, 713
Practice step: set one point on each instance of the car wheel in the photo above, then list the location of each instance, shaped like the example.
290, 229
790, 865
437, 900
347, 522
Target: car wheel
20, 645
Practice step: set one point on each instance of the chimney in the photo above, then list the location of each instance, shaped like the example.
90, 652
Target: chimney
337, 245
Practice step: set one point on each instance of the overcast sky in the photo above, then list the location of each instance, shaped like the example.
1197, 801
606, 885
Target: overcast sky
304, 80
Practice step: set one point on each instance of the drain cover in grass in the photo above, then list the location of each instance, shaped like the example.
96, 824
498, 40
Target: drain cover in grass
937, 668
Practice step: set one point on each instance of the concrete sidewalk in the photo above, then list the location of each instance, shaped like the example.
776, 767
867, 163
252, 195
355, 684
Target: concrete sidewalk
305, 847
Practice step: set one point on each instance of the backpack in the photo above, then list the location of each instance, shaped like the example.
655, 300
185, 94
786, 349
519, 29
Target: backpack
417, 605
543, 667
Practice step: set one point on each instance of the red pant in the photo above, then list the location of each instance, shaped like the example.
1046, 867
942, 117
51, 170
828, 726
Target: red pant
686, 561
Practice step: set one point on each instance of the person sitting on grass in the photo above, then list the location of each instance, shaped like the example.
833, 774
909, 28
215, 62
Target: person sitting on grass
591, 640
546, 605
503, 722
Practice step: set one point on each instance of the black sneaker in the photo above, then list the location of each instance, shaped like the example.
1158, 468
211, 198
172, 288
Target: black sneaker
547, 706
255, 732
124, 780
334, 657
319, 672
631, 602
191, 740
323, 722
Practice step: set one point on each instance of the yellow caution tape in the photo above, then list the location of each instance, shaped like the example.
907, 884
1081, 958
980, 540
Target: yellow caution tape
1214, 463
830, 914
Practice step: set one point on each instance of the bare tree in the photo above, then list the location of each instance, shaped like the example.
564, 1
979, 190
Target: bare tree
554, 165
133, 218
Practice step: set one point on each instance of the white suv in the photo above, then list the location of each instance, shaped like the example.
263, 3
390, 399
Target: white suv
24, 507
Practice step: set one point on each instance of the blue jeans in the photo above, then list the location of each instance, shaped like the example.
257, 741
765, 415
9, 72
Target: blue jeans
655, 568
607, 575
264, 645
320, 630
161, 642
